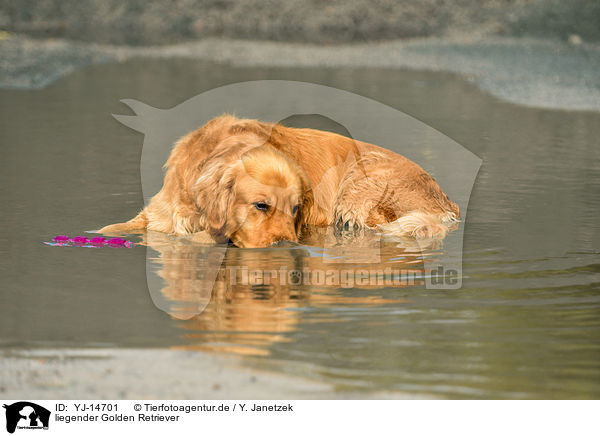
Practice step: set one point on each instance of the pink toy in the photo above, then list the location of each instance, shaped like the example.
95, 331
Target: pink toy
82, 241
98, 240
79, 240
116, 241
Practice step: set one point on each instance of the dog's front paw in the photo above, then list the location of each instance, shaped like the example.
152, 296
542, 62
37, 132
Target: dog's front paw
346, 224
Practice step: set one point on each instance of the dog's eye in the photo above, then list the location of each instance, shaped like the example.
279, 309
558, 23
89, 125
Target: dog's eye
262, 206
295, 210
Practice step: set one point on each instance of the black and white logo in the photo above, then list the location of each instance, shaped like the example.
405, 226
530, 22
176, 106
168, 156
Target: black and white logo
26, 415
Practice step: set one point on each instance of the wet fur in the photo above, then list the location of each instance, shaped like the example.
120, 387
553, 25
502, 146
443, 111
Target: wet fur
340, 181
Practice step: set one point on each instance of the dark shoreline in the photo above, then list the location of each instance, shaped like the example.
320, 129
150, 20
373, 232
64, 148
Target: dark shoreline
150, 22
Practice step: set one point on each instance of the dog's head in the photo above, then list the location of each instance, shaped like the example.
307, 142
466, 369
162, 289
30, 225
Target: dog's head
255, 198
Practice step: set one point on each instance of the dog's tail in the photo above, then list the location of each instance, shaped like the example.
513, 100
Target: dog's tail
140, 222
422, 225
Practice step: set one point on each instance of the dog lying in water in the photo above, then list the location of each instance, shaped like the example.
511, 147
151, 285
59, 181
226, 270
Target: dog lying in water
256, 183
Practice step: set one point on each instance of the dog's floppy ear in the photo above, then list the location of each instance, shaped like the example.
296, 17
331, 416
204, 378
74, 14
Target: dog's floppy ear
214, 191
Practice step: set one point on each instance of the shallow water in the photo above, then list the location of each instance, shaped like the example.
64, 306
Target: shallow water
525, 324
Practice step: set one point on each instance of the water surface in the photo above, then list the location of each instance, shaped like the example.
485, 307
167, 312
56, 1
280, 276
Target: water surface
526, 323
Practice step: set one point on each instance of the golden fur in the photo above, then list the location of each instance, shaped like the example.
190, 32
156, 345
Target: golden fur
217, 174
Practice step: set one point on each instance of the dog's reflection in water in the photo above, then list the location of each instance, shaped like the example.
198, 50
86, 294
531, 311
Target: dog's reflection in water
242, 300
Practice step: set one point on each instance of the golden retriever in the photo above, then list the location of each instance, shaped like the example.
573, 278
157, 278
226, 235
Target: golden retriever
258, 183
